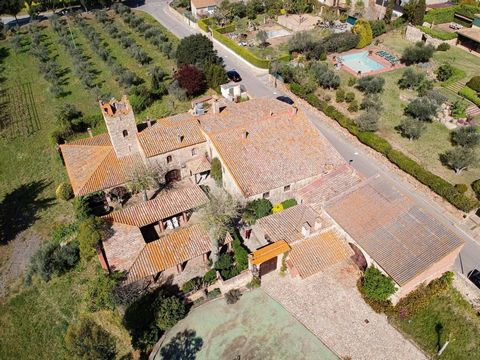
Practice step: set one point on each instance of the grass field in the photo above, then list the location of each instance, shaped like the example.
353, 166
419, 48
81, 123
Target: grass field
446, 317
436, 139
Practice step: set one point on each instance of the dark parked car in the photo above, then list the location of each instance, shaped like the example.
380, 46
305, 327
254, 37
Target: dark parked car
474, 277
234, 76
286, 100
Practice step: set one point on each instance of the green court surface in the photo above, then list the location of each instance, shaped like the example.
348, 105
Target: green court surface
256, 327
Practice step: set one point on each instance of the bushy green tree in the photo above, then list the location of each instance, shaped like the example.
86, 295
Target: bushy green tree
191, 79
411, 79
371, 102
340, 42
170, 310
378, 27
364, 31
87, 340
476, 188
368, 121
324, 76
458, 159
262, 38
216, 171
90, 232
215, 76
444, 72
474, 83
466, 136
197, 50
376, 285
371, 84
64, 191
422, 108
99, 294
418, 53
411, 128
340, 95
256, 209
389, 11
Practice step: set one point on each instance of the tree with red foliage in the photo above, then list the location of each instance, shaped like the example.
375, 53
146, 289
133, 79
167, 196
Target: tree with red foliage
191, 79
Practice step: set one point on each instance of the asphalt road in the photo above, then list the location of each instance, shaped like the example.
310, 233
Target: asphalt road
256, 84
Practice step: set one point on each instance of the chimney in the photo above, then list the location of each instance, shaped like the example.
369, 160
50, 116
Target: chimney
271, 113
149, 123
294, 110
89, 130
318, 223
245, 134
215, 106
306, 229
180, 138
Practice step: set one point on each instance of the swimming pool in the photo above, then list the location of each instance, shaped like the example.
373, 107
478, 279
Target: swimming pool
360, 62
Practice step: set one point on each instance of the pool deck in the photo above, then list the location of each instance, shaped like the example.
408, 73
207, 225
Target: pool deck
387, 65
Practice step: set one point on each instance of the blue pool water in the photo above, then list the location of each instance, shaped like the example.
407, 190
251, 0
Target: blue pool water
360, 62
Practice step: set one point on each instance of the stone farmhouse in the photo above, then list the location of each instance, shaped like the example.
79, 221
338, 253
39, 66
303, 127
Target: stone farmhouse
267, 149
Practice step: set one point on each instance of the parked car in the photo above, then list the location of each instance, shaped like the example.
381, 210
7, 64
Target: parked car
234, 76
286, 100
474, 277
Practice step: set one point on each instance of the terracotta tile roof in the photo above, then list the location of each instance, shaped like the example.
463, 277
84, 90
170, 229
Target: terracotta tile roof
123, 246
269, 252
327, 187
401, 237
175, 248
168, 203
203, 3
198, 165
264, 151
92, 165
318, 253
287, 224
170, 134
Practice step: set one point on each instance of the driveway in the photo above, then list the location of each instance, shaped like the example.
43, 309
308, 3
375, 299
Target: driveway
330, 306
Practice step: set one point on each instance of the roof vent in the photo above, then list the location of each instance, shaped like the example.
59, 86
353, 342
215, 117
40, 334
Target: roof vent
245, 134
180, 138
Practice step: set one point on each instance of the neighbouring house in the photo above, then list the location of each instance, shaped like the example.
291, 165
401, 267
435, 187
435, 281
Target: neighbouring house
173, 145
406, 241
233, 92
470, 37
203, 8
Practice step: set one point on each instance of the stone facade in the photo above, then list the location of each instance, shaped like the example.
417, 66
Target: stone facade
121, 126
414, 34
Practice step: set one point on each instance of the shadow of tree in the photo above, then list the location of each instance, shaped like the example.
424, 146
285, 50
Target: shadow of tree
18, 209
183, 346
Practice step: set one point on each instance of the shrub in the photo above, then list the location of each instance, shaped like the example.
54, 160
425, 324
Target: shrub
64, 191
289, 203
461, 188
458, 159
255, 283
53, 259
325, 76
422, 108
340, 95
216, 171
368, 121
349, 97
353, 106
418, 53
240, 253
371, 102
364, 31
66, 114
470, 94
444, 72
379, 306
376, 285
99, 294
214, 293
210, 276
378, 27
192, 284
371, 84
257, 209
459, 108
215, 76
196, 49
89, 235
443, 47
476, 188
466, 136
340, 42
352, 81
411, 79
411, 128
474, 83
170, 310
233, 296
88, 340
277, 208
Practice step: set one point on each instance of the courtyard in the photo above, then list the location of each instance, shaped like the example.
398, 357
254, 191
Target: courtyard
256, 327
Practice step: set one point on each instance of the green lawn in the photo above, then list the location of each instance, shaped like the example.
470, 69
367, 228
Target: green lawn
446, 317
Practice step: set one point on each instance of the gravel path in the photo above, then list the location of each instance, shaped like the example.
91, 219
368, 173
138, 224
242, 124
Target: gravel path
330, 306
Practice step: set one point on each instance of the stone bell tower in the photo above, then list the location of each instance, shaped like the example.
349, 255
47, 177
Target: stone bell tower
121, 126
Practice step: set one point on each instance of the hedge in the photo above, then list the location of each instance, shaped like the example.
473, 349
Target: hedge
227, 29
434, 182
470, 94
445, 15
203, 24
438, 34
240, 50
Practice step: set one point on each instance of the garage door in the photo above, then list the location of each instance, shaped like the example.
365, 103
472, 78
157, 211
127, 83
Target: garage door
268, 266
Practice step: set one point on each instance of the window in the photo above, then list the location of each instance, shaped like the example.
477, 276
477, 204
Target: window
194, 152
169, 159
125, 133
286, 188
266, 195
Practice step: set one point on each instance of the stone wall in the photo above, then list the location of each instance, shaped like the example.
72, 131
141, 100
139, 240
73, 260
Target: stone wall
236, 282
414, 34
